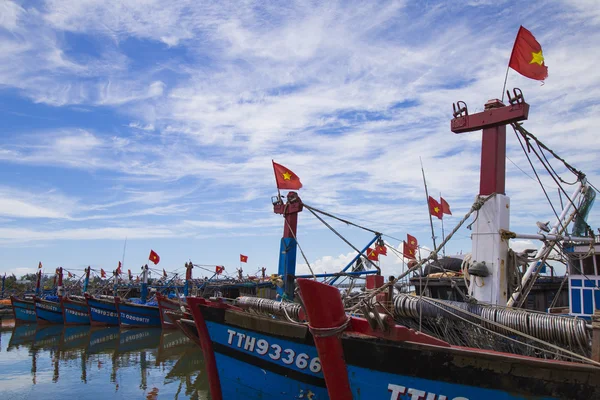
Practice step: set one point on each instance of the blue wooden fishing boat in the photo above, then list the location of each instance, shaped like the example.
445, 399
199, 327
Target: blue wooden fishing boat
138, 313
23, 309
48, 310
103, 310
133, 315
75, 308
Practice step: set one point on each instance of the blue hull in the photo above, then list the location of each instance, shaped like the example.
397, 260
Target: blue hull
24, 311
75, 312
253, 365
370, 385
48, 312
102, 313
138, 316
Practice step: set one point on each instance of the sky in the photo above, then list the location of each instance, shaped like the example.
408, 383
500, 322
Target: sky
133, 125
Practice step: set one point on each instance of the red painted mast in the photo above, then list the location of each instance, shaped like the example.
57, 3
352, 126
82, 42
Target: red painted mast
489, 251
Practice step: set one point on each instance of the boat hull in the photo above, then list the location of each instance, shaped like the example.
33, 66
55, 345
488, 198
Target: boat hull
137, 315
23, 310
75, 312
102, 312
164, 305
48, 312
273, 359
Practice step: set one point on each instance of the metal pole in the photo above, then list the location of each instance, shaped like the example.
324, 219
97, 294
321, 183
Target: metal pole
427, 200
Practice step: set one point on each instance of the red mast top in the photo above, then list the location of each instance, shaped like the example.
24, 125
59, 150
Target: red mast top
492, 121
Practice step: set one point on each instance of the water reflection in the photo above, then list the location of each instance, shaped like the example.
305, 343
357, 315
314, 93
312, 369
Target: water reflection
89, 362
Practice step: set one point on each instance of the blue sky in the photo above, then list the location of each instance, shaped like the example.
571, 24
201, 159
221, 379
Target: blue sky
157, 122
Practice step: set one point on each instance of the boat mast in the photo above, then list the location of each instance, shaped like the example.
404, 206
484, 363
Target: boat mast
287, 249
489, 251
188, 278
144, 291
427, 202
87, 279
59, 287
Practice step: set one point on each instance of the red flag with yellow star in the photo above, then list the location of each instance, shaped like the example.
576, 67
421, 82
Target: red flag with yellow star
372, 254
527, 57
285, 178
154, 257
408, 252
435, 208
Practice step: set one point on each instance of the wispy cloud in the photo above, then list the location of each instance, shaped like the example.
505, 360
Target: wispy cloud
186, 104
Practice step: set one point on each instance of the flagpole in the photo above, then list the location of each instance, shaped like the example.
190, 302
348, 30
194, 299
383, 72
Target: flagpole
427, 201
508, 66
124, 248
443, 235
505, 79
278, 191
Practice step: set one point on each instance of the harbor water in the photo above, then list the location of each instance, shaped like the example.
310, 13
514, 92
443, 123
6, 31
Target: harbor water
82, 362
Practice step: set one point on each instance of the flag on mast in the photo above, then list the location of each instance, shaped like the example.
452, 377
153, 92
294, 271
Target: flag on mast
527, 57
285, 178
445, 206
435, 208
155, 258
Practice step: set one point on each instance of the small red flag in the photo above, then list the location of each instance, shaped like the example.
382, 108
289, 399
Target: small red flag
129, 273
407, 252
372, 254
243, 258
445, 206
435, 208
154, 257
164, 273
69, 274
102, 273
219, 269
119, 269
381, 249
412, 242
527, 57
285, 178
40, 265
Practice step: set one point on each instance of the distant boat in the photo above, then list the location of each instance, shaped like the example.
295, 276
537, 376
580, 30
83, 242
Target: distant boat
23, 309
132, 315
103, 310
165, 306
48, 310
75, 310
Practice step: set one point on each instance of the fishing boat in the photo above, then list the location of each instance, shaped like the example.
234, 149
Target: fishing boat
23, 309
138, 313
167, 305
48, 309
460, 350
102, 309
75, 309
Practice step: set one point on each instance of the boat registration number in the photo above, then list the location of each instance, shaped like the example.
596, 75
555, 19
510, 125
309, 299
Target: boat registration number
273, 350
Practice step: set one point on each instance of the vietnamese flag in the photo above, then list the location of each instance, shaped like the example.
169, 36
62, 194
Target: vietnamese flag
407, 251
435, 208
219, 269
445, 206
372, 254
40, 265
154, 257
285, 178
129, 274
119, 269
243, 258
381, 249
69, 274
527, 57
412, 242
102, 273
